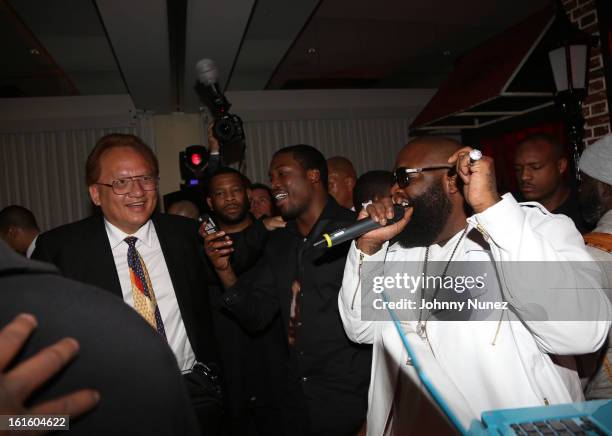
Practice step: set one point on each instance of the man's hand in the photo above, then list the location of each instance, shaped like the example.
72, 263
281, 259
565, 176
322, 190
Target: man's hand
274, 222
480, 186
218, 247
380, 212
19, 383
213, 144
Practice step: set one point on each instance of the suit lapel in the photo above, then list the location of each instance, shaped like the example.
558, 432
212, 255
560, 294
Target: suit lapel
101, 255
177, 258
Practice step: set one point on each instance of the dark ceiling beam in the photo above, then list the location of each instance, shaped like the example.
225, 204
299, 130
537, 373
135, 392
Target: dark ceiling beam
31, 40
276, 24
177, 17
138, 32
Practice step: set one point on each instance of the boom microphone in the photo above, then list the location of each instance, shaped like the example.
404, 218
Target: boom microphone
207, 71
207, 76
359, 228
227, 127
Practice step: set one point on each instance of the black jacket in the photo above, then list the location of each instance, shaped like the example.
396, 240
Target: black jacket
254, 363
334, 372
81, 251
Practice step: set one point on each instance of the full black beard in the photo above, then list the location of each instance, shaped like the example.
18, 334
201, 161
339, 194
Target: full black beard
431, 212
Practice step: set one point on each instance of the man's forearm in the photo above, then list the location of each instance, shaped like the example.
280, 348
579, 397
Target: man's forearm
227, 277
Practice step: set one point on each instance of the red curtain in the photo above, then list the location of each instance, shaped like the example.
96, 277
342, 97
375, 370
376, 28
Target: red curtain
502, 148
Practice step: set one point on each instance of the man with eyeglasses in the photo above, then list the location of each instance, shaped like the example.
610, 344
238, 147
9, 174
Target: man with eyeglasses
150, 260
477, 359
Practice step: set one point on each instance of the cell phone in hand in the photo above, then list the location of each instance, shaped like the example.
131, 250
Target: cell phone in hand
209, 223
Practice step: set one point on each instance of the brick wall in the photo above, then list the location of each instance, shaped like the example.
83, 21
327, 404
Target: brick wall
583, 13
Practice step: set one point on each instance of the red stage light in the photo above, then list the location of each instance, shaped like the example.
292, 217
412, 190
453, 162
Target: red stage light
196, 158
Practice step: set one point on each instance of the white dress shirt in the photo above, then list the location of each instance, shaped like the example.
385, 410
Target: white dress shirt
31, 247
150, 250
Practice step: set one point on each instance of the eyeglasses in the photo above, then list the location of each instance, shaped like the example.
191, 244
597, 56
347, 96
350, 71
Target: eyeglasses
402, 175
124, 186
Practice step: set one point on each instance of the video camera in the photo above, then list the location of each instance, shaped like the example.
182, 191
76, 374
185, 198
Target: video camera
227, 127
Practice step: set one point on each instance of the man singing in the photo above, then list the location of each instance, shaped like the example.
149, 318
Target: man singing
499, 362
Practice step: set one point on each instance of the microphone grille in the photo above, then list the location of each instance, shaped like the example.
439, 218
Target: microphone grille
207, 72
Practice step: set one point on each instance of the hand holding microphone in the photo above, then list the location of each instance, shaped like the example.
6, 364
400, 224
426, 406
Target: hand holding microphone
381, 212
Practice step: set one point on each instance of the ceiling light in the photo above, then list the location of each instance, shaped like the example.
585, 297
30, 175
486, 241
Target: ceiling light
311, 50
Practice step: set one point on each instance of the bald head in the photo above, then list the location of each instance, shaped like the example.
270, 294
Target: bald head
341, 165
542, 142
184, 208
427, 151
341, 180
434, 193
540, 165
18, 227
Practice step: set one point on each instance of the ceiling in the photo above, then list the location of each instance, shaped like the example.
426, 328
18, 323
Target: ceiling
148, 48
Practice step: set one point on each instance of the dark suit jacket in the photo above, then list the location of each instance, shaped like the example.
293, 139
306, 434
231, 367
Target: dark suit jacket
81, 251
135, 399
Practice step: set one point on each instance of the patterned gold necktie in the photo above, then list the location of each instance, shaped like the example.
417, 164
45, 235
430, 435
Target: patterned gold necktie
142, 290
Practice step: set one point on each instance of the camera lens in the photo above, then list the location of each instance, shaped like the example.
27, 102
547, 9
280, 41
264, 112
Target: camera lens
225, 129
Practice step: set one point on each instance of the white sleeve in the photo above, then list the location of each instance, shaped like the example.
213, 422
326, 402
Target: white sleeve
564, 305
352, 293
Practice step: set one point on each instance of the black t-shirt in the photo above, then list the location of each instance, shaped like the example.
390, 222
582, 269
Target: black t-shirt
571, 209
330, 371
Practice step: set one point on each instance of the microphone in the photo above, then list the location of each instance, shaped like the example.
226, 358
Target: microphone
207, 72
207, 75
357, 229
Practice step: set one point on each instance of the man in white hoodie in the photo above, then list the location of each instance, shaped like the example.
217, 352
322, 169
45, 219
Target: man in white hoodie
502, 360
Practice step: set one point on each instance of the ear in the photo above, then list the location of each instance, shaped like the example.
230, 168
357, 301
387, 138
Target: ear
562, 165
451, 184
12, 233
350, 183
313, 176
209, 203
94, 194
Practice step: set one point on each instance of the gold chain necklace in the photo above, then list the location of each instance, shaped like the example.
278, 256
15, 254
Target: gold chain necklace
421, 328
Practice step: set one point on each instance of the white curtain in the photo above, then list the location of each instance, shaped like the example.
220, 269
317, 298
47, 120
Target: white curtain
143, 128
370, 144
45, 170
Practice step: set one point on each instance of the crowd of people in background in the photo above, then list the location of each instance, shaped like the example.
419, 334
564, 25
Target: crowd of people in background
263, 335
